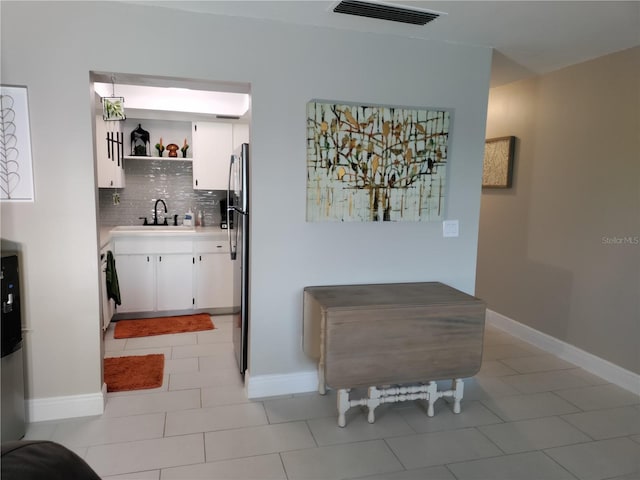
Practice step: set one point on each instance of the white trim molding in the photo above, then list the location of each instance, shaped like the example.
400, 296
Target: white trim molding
585, 360
284, 384
71, 406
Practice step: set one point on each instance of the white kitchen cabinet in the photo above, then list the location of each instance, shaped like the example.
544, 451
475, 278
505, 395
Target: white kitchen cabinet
155, 282
136, 277
212, 147
173, 273
222, 280
155, 273
174, 282
109, 153
214, 275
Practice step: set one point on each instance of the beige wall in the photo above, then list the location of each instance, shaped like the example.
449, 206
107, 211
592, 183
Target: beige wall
560, 250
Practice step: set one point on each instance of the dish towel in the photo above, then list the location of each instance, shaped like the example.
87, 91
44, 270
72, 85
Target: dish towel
113, 288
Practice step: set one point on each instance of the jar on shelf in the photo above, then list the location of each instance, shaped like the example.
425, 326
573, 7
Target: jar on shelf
140, 143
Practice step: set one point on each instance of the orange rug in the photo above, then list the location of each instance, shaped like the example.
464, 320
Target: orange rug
133, 373
146, 327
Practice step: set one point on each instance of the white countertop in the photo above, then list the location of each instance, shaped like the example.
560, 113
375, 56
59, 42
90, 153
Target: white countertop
107, 233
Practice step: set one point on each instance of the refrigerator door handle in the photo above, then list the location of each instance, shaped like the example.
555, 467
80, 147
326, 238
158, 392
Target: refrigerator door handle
232, 251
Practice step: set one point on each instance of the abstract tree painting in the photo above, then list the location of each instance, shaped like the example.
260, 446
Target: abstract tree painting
16, 180
376, 163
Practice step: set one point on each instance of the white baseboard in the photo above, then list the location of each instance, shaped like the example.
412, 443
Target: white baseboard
58, 408
589, 362
285, 384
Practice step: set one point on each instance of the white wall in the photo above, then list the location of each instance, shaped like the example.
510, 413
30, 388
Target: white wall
51, 47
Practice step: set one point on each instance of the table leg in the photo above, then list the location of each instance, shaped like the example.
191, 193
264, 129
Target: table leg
458, 392
432, 392
373, 400
322, 388
343, 406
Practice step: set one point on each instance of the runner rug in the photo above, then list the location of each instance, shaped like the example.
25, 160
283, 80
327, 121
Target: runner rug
146, 327
137, 372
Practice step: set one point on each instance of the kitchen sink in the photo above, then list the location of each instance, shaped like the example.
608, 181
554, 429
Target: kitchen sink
153, 228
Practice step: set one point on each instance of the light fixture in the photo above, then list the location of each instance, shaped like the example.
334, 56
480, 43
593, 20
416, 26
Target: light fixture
182, 99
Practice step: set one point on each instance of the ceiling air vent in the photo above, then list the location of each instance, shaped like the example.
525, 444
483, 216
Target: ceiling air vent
386, 12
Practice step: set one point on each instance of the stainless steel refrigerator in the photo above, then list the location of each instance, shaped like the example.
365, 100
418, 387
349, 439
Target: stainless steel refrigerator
238, 233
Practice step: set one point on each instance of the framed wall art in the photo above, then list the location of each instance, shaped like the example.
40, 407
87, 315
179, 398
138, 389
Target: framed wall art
497, 169
16, 165
376, 163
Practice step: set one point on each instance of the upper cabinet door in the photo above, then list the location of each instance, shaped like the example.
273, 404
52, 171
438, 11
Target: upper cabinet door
212, 148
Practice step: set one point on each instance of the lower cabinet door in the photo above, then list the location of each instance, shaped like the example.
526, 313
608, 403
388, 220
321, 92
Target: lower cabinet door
135, 278
174, 280
214, 277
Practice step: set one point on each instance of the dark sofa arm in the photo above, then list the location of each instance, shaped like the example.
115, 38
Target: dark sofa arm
42, 460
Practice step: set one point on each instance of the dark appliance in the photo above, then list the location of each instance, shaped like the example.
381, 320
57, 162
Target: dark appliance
225, 220
238, 234
11, 368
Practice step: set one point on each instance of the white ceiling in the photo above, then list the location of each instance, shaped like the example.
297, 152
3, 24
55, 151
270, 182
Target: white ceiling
529, 37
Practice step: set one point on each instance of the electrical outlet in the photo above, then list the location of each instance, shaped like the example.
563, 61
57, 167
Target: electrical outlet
450, 228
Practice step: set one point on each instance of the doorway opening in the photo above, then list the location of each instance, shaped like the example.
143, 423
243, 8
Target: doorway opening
157, 171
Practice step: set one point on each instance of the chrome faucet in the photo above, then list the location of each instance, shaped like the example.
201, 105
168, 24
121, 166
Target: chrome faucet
155, 212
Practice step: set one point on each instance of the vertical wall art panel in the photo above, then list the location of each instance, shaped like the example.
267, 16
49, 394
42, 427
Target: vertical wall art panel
16, 175
497, 168
375, 163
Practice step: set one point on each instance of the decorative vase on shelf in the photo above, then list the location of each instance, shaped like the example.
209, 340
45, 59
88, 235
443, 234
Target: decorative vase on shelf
184, 148
160, 147
172, 148
140, 145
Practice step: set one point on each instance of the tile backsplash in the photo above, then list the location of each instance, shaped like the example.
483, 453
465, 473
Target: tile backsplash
148, 180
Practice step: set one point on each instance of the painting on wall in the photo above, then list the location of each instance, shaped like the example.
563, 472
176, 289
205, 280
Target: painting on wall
376, 163
16, 169
497, 169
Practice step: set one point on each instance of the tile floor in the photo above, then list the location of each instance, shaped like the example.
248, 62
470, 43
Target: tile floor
526, 415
